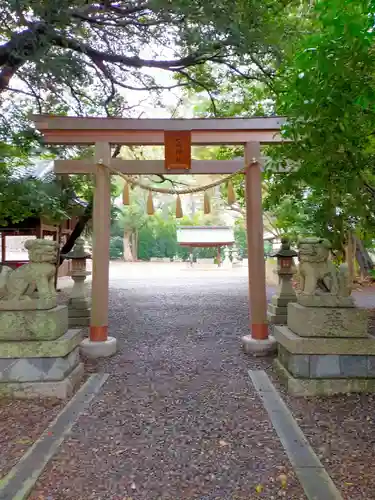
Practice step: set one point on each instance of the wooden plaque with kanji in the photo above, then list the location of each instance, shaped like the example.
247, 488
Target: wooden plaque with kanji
177, 149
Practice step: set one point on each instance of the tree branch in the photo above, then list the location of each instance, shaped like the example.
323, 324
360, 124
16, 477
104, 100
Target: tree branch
134, 62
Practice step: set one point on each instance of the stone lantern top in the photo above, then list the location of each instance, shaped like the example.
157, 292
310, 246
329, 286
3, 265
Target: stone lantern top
285, 250
78, 251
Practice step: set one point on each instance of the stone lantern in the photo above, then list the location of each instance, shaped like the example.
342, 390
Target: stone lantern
79, 307
277, 309
235, 260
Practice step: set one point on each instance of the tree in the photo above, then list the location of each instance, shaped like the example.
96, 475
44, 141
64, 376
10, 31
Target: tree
326, 89
77, 49
128, 223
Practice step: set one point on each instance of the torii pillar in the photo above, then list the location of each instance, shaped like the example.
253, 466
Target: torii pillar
99, 344
259, 342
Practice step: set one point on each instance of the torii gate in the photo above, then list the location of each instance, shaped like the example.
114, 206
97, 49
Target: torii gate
177, 135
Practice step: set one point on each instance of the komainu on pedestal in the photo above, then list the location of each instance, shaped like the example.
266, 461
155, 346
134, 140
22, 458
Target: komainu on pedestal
39, 355
321, 283
31, 286
325, 347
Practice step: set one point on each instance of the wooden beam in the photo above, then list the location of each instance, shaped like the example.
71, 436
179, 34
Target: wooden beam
76, 130
152, 138
51, 122
149, 167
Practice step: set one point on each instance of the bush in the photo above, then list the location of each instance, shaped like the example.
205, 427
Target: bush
116, 247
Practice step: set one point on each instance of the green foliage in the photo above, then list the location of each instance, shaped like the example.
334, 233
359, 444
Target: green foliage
20, 199
156, 234
116, 247
325, 86
165, 239
146, 242
326, 89
240, 237
130, 219
70, 55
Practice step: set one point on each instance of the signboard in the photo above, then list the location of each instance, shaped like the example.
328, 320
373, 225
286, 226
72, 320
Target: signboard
177, 144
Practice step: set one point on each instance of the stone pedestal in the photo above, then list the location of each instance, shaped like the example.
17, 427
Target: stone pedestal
325, 350
39, 355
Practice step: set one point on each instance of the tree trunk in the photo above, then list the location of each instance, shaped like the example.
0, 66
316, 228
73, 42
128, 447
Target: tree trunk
363, 258
77, 231
350, 257
134, 245
128, 256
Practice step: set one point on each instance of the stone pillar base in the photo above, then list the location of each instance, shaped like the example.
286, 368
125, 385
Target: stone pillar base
259, 347
98, 349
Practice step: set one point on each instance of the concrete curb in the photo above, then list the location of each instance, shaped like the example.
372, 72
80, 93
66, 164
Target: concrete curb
313, 477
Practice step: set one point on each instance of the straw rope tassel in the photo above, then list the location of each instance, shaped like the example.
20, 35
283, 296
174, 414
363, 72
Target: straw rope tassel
179, 213
150, 204
231, 193
126, 194
207, 204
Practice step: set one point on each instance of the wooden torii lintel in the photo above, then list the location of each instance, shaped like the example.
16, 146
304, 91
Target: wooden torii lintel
127, 131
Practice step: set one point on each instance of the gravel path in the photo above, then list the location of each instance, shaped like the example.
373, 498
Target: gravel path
21, 423
178, 418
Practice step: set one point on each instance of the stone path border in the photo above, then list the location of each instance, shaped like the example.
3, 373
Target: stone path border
313, 477
19, 482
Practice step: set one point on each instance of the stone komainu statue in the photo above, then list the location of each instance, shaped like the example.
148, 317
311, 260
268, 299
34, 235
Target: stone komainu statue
317, 273
31, 286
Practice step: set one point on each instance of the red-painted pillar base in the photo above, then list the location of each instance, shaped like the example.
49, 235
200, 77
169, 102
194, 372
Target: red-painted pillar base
98, 333
259, 331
